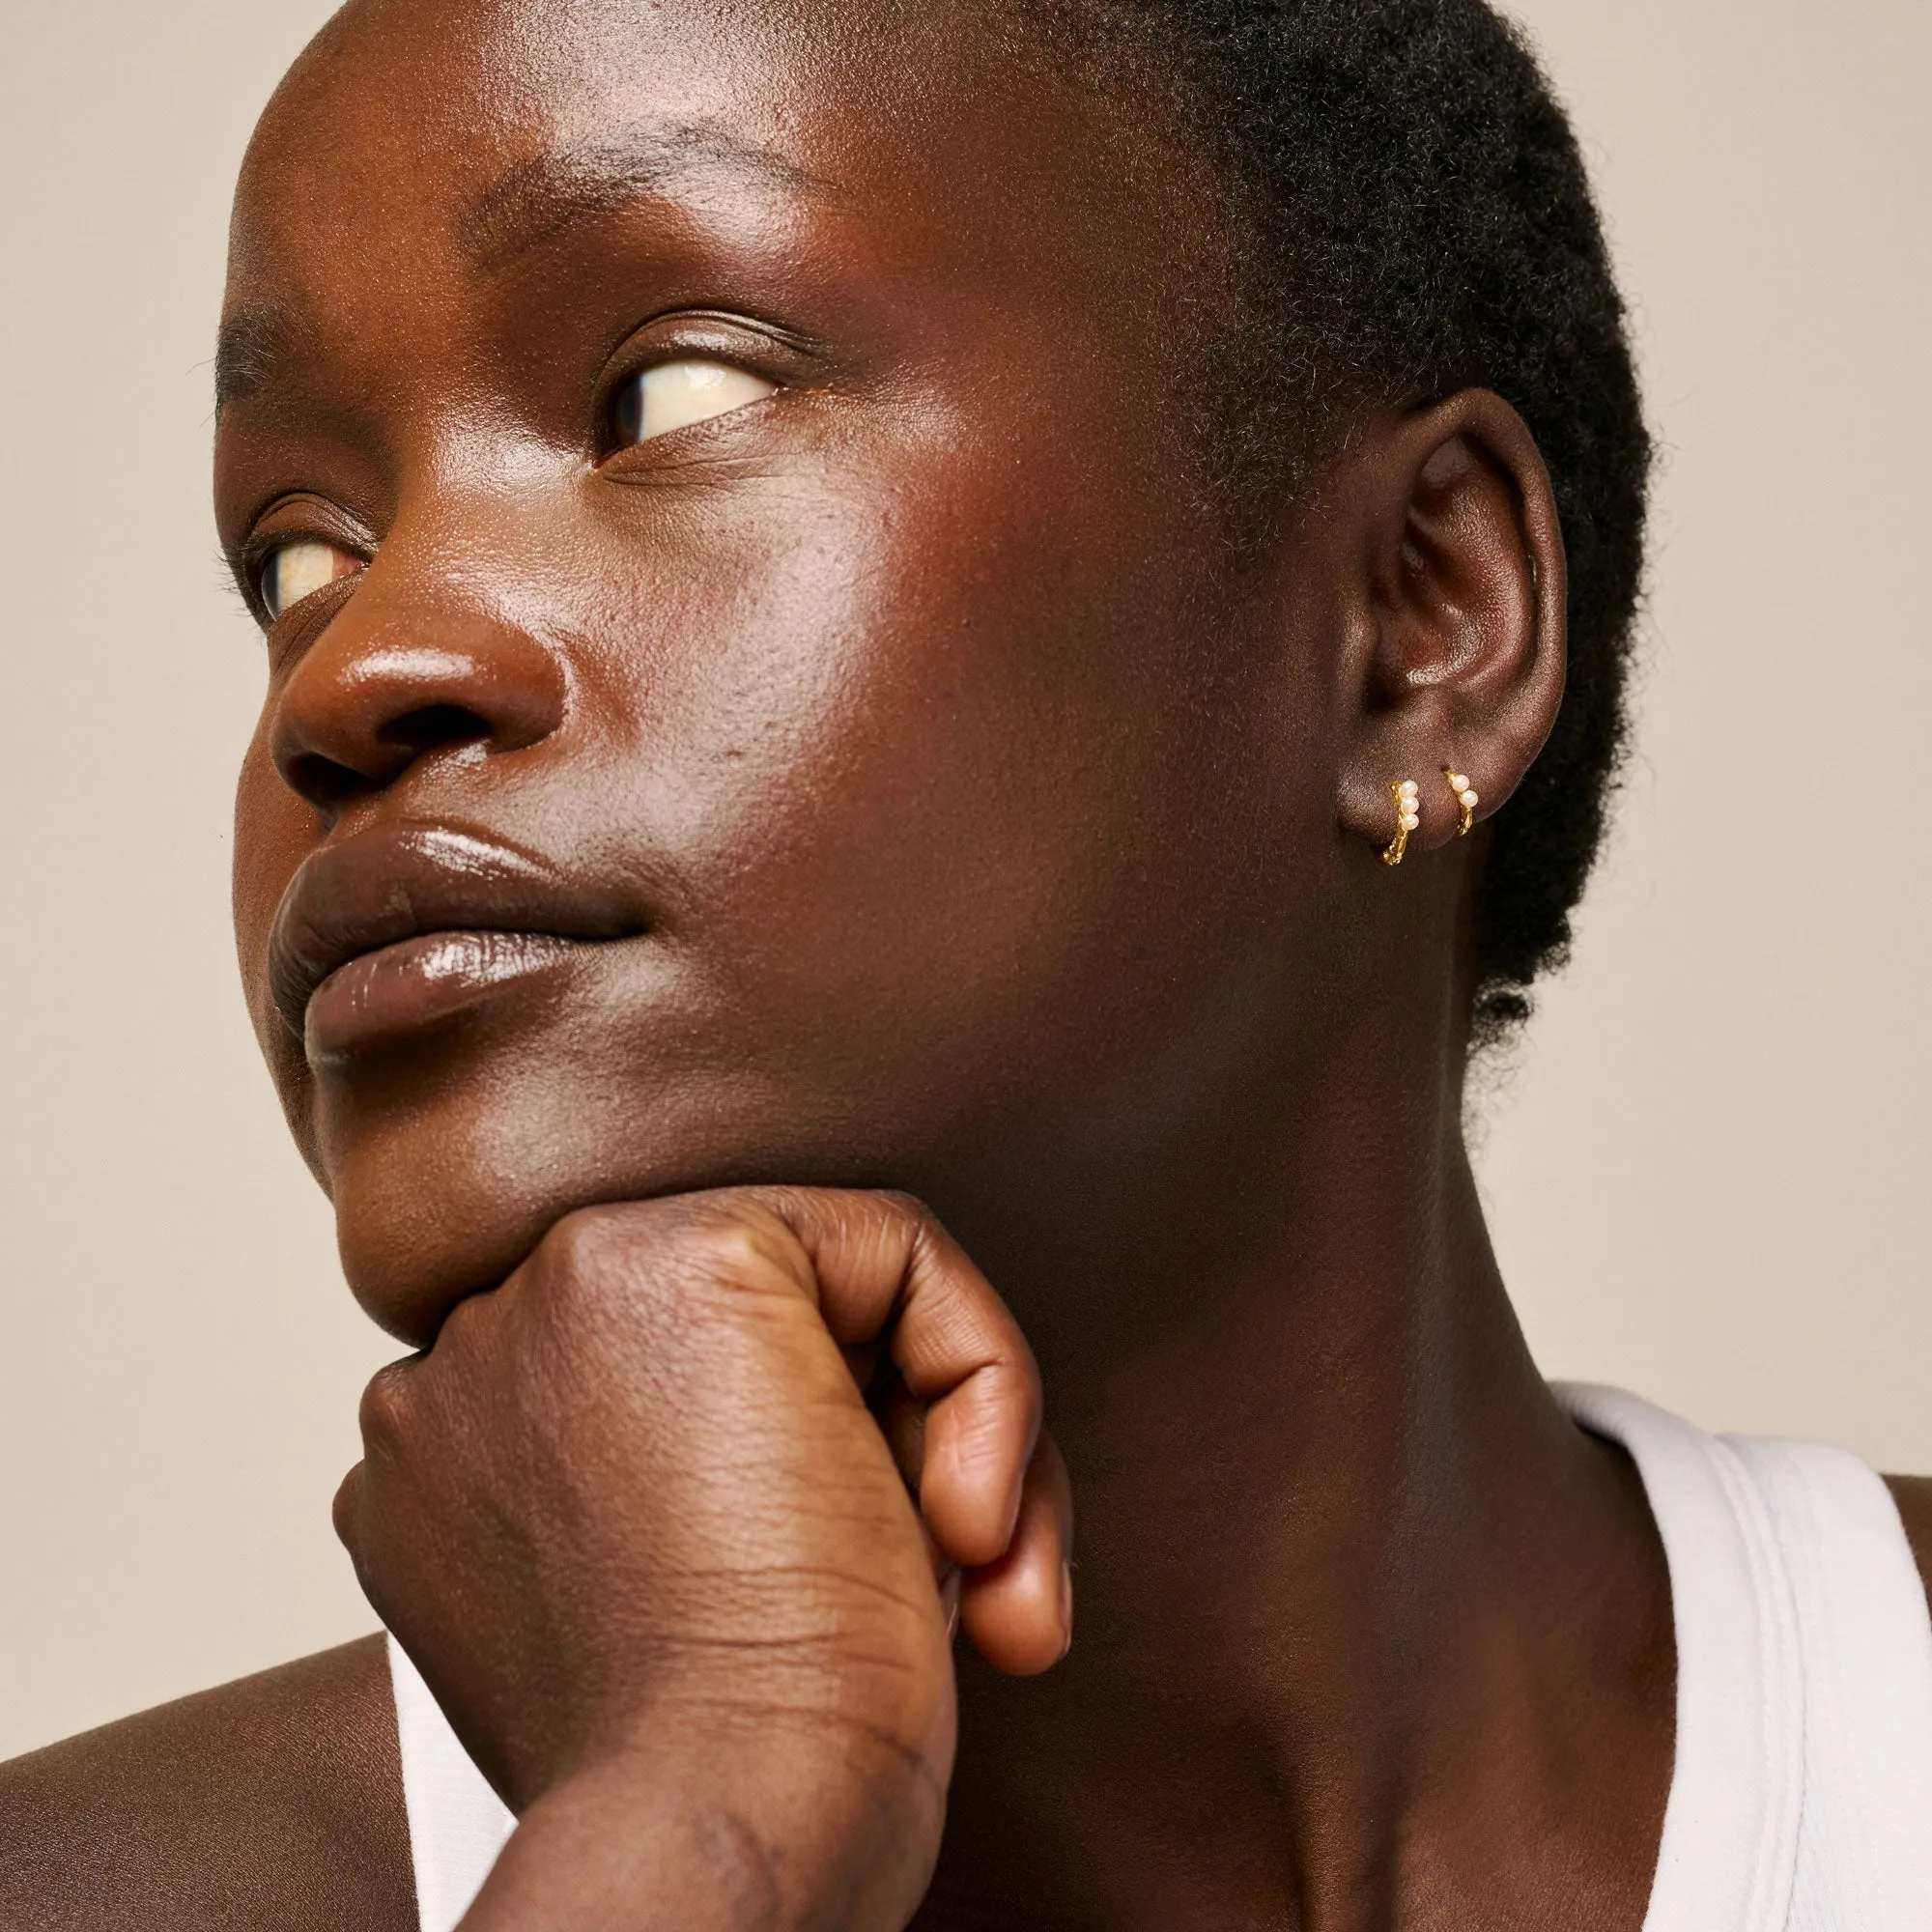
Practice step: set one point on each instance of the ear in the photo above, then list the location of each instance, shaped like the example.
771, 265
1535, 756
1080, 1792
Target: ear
1457, 657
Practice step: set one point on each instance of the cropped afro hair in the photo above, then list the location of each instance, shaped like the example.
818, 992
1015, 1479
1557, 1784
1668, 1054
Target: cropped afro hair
1414, 218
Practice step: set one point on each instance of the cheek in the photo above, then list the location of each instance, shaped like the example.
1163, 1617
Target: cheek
939, 824
928, 763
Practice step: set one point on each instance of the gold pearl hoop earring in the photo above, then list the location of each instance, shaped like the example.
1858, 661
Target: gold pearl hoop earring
1464, 797
1408, 796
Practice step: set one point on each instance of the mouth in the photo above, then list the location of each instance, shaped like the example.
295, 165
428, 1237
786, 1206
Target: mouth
406, 925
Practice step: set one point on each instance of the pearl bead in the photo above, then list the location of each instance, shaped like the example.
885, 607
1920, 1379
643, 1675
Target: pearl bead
1410, 823
1470, 800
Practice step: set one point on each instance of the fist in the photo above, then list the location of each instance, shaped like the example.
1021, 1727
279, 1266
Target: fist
688, 1504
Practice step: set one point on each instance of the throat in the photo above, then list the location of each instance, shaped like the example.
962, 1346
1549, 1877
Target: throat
1368, 1635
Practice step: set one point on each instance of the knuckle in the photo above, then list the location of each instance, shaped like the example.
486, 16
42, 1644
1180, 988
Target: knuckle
346, 1513
459, 1326
735, 1246
580, 1245
386, 1409
631, 1258
592, 1254
909, 1206
359, 1536
637, 1257
900, 1216
753, 1250
737, 1236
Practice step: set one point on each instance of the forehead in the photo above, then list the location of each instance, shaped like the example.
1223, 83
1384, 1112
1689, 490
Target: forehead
474, 130
399, 97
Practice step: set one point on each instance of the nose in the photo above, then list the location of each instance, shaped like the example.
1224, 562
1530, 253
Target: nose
382, 690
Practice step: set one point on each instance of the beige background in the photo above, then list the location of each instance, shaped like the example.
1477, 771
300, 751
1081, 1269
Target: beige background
1706, 1167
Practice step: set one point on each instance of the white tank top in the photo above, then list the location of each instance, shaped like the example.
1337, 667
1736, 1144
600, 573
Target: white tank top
1802, 1796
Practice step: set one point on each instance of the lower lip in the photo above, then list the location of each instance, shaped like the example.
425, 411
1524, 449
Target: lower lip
406, 989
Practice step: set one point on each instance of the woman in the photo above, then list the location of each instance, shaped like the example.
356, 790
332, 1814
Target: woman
1021, 608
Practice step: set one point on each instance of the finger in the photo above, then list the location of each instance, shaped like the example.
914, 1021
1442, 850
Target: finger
346, 1511
1019, 1611
956, 1347
971, 1367
368, 1490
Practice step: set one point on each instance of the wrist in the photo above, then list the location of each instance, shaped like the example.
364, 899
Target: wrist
808, 1833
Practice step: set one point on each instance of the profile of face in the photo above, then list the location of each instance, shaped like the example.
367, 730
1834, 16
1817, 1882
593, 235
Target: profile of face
760, 681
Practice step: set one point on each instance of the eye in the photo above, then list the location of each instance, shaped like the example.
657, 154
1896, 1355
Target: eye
674, 394
298, 570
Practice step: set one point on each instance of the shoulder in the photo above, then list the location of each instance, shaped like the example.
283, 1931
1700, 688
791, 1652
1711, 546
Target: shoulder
276, 1801
1913, 1497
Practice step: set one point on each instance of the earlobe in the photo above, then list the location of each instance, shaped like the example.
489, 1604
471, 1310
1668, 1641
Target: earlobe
1459, 667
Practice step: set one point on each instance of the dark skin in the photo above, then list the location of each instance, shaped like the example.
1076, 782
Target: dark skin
895, 780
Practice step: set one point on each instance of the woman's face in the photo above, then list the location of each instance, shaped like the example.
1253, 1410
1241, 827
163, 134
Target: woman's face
758, 685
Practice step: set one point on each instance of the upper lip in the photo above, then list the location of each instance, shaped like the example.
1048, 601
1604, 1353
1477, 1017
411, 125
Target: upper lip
399, 880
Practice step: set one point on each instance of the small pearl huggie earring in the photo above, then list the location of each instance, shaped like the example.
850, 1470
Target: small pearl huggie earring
1408, 796
1464, 797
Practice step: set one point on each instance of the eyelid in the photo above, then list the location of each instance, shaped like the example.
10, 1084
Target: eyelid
297, 516
768, 347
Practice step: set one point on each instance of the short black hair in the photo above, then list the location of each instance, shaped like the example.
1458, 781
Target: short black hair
1418, 219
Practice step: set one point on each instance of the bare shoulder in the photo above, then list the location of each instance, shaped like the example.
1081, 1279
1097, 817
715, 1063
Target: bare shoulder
1913, 1497
276, 1801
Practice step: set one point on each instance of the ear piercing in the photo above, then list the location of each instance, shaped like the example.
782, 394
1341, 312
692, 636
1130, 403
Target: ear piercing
1408, 796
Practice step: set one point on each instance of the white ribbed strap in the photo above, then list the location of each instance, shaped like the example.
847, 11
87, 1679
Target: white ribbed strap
1866, 1851
457, 1824
1802, 1798
1729, 1852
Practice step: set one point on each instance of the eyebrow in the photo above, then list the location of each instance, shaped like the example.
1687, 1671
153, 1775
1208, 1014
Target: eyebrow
252, 341
532, 203
540, 198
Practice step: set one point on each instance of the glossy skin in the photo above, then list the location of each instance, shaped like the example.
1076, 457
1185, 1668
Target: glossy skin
898, 780
753, 691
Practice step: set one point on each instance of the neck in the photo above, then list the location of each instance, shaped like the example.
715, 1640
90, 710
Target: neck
1367, 1632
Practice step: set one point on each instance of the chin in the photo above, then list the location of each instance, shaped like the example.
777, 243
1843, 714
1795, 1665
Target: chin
445, 1178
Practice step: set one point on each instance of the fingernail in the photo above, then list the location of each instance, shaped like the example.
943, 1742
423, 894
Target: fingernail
1066, 1607
949, 1595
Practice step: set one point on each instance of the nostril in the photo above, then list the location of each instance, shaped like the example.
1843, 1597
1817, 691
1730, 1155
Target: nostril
325, 782
396, 746
380, 689
430, 727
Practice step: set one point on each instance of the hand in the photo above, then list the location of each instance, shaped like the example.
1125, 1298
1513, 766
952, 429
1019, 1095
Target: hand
633, 1518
